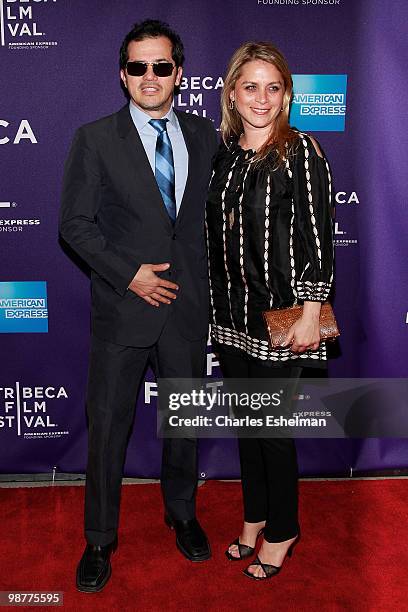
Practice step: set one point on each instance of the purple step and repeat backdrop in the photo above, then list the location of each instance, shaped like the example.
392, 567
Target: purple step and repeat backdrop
59, 69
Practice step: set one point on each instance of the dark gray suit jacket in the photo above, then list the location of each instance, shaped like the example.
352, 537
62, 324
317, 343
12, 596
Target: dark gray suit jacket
114, 218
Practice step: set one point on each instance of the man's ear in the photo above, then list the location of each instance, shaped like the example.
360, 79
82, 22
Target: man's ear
178, 76
123, 77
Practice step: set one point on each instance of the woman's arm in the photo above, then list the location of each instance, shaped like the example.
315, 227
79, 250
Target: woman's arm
313, 241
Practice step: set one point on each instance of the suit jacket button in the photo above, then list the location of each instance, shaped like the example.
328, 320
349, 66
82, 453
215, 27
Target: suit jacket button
174, 236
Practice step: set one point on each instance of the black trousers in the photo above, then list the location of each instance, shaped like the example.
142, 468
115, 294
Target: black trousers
269, 469
115, 375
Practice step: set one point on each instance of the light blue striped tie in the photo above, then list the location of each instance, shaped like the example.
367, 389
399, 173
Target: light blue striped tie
164, 166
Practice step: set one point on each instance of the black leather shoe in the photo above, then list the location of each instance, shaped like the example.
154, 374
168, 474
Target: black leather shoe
94, 569
190, 538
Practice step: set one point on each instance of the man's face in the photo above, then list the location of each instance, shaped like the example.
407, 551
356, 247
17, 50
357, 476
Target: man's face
150, 93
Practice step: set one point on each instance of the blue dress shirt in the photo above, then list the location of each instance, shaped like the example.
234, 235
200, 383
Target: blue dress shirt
148, 136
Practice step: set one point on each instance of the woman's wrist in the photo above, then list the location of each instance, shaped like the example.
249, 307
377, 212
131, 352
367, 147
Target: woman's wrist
311, 311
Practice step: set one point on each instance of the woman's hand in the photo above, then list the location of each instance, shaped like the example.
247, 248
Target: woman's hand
305, 333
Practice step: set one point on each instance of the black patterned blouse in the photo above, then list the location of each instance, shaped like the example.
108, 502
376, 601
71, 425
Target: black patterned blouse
269, 238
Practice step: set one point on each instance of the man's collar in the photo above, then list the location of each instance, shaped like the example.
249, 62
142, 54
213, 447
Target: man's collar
141, 119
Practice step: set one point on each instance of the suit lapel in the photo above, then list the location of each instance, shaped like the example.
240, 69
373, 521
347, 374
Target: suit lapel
142, 176
188, 129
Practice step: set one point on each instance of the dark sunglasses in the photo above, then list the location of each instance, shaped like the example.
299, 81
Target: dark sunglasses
160, 69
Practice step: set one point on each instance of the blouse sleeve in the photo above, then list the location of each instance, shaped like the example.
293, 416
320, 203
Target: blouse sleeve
313, 228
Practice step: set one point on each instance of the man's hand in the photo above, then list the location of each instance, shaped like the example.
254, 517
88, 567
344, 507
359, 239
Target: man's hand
153, 289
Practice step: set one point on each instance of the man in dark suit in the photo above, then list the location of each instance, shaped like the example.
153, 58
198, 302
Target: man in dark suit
133, 204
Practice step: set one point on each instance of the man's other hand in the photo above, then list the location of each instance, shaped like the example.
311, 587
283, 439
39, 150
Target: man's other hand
153, 289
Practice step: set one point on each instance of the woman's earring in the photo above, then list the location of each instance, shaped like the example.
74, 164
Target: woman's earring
282, 109
231, 104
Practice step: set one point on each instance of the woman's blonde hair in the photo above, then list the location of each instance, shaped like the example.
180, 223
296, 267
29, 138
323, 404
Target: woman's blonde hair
281, 136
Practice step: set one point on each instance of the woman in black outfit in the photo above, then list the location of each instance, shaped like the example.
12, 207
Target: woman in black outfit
270, 245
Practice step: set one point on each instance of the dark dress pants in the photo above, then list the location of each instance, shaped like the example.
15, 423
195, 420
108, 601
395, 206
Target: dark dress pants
115, 376
269, 469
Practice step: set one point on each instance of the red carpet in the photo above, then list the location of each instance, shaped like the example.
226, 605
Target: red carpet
353, 554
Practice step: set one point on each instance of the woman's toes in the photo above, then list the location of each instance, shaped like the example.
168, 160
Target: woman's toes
256, 571
259, 572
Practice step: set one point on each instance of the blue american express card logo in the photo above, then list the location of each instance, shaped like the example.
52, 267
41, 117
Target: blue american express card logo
319, 102
23, 307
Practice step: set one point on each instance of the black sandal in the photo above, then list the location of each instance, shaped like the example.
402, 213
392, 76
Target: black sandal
269, 570
244, 550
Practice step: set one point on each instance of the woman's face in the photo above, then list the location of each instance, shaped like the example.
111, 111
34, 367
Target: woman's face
258, 95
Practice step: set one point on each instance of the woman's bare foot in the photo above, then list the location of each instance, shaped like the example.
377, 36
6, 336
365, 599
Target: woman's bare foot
248, 537
270, 553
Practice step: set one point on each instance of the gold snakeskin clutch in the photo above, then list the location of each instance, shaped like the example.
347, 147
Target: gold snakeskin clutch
279, 321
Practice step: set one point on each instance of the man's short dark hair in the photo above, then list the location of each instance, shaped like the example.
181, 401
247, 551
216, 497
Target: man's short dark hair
152, 28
